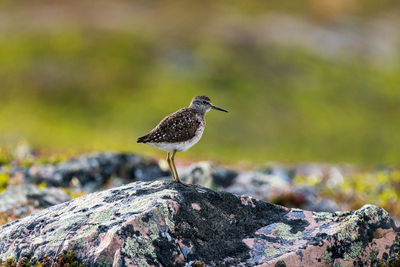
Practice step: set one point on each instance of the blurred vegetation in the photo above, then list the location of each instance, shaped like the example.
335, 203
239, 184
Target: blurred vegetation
95, 76
378, 187
64, 259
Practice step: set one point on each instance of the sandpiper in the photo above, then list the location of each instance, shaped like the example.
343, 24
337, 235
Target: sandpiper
179, 131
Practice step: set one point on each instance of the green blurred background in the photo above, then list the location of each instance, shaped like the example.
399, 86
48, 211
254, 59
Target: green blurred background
314, 80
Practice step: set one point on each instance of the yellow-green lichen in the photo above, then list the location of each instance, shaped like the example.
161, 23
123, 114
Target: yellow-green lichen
323, 216
198, 264
296, 210
283, 231
137, 249
373, 256
161, 214
104, 260
62, 232
355, 250
103, 216
327, 257
269, 252
346, 230
373, 212
145, 202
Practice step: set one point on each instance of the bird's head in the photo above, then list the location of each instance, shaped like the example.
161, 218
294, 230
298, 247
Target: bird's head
203, 104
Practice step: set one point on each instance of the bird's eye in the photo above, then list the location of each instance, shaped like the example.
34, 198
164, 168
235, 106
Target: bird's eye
204, 102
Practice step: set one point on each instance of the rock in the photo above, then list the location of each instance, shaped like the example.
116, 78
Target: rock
20, 200
92, 172
276, 169
258, 185
277, 189
313, 201
168, 224
208, 175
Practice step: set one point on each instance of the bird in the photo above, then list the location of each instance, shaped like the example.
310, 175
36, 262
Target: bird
180, 130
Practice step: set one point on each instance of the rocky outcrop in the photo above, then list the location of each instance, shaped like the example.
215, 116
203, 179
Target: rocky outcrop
269, 184
165, 223
20, 200
94, 171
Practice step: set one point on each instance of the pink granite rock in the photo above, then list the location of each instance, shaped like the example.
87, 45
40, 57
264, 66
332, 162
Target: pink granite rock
167, 224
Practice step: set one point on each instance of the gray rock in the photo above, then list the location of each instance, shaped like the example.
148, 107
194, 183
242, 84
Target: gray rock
258, 185
208, 175
281, 171
313, 201
278, 189
20, 200
165, 223
92, 172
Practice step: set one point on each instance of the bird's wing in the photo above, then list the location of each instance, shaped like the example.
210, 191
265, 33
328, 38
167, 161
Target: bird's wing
177, 127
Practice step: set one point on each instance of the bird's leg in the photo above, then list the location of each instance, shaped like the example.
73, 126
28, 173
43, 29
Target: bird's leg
170, 167
174, 167
176, 172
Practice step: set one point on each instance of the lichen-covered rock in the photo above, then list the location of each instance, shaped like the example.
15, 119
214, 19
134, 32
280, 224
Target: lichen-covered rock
92, 172
20, 200
166, 223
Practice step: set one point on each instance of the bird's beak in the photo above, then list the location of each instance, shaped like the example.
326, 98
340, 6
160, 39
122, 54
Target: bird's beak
217, 108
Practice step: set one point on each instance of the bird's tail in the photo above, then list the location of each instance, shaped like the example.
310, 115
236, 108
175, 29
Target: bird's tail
142, 139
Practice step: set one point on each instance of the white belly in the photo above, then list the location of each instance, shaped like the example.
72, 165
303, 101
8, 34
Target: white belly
180, 146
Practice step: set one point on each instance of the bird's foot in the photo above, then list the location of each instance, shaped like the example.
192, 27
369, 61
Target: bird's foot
183, 183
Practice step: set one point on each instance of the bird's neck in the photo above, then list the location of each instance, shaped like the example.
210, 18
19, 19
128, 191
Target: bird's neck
201, 112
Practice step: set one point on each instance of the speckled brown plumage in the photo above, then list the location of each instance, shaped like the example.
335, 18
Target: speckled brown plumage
180, 126
180, 131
